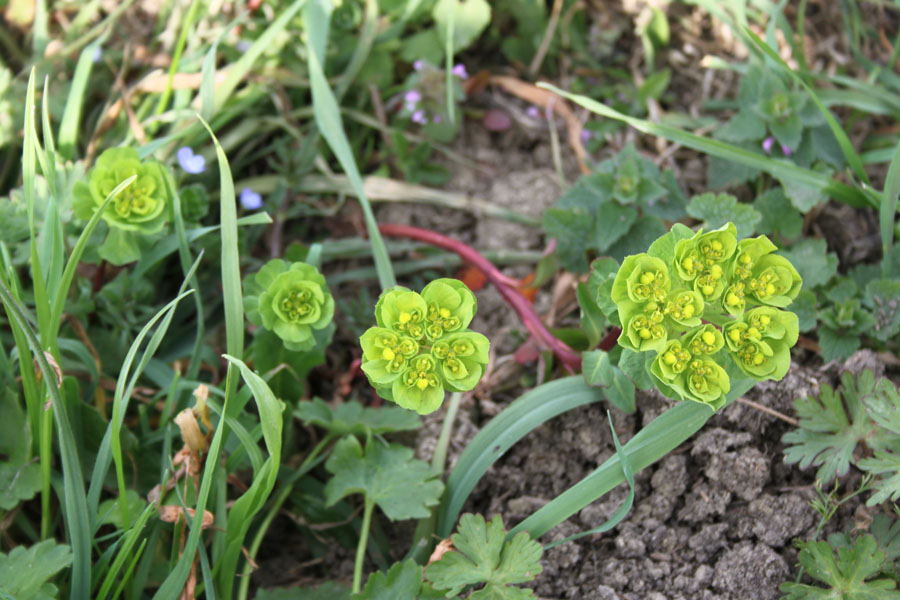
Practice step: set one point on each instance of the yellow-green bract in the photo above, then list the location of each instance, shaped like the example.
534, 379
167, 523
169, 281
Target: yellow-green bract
421, 345
290, 299
736, 288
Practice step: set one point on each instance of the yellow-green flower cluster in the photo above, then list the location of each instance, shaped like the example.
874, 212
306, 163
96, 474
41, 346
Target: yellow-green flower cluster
421, 345
710, 278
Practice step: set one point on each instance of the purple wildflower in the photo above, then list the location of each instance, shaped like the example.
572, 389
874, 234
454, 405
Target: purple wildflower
786, 150
533, 111
412, 98
250, 199
586, 136
436, 119
460, 71
190, 162
767, 144
418, 64
419, 117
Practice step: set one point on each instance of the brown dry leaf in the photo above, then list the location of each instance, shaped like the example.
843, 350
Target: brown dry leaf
443, 547
547, 99
169, 514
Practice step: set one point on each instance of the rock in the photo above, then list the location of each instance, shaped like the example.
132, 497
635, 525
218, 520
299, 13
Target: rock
750, 571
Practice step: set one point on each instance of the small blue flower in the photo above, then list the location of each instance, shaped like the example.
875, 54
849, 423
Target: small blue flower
460, 71
250, 199
190, 162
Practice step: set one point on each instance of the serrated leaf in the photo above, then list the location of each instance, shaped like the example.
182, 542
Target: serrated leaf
845, 577
803, 197
885, 466
778, 215
571, 228
402, 581
827, 433
402, 486
815, 264
326, 591
837, 345
24, 572
612, 222
481, 555
745, 126
883, 405
716, 210
721, 173
886, 530
351, 418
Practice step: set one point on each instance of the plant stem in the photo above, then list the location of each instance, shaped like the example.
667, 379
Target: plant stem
361, 547
440, 451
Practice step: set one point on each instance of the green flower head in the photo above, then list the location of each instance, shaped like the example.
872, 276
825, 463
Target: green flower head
386, 354
695, 257
644, 330
707, 382
451, 307
760, 343
421, 345
684, 308
670, 364
419, 387
461, 359
641, 278
144, 206
290, 299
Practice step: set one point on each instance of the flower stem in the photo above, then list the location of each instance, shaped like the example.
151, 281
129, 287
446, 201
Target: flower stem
361, 547
570, 359
443, 443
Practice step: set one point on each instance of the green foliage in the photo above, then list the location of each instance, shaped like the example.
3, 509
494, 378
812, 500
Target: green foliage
421, 345
25, 573
617, 387
403, 580
352, 418
611, 211
291, 300
326, 591
388, 475
849, 576
481, 555
661, 297
715, 210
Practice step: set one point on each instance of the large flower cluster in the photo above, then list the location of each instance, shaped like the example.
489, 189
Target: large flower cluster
421, 345
716, 298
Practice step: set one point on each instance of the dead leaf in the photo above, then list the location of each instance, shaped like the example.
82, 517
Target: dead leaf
443, 547
169, 514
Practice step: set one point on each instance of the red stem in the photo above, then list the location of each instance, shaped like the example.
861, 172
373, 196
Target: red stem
570, 359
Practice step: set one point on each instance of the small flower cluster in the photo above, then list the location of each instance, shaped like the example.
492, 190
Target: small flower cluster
419, 106
674, 309
421, 345
290, 299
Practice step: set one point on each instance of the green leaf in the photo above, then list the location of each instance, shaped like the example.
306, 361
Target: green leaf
351, 418
326, 591
570, 228
885, 465
634, 366
108, 513
24, 573
469, 18
482, 555
827, 433
813, 261
745, 126
718, 209
613, 221
18, 482
845, 577
121, 247
403, 580
388, 475
644, 232
837, 345
593, 321
599, 371
804, 306
778, 215
884, 405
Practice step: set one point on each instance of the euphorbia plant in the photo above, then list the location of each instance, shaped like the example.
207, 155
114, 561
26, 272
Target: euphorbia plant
689, 301
421, 345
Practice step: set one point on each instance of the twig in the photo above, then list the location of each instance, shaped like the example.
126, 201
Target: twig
548, 37
769, 411
570, 360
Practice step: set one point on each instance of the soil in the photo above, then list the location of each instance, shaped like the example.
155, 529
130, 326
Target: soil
716, 518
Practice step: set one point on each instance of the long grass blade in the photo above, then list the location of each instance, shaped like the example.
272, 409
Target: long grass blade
778, 168
887, 213
328, 119
71, 119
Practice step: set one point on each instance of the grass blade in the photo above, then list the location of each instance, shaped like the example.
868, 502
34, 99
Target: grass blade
328, 119
528, 412
71, 119
887, 212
